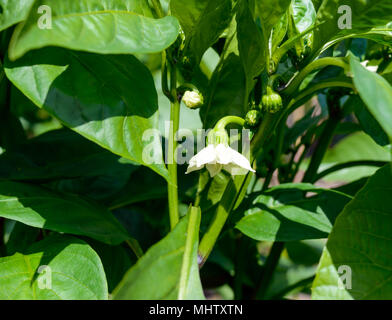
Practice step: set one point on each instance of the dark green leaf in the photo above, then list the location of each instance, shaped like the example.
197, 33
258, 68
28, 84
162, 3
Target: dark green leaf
360, 242
203, 21
42, 208
101, 26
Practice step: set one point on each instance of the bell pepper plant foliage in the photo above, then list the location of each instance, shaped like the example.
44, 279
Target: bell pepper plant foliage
184, 149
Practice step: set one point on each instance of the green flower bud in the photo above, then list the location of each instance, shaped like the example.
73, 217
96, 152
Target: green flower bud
193, 99
272, 101
253, 118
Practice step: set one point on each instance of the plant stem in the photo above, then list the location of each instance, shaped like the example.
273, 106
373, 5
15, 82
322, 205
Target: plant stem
135, 247
172, 145
294, 84
322, 147
269, 268
302, 283
158, 8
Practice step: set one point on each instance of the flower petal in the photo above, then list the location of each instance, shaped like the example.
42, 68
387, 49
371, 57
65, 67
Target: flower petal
206, 155
223, 154
239, 160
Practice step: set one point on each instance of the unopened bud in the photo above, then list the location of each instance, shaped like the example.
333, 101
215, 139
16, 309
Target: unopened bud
193, 99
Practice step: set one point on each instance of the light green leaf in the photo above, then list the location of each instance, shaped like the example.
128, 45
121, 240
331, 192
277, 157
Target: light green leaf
110, 100
203, 21
57, 268
355, 147
13, 11
365, 16
169, 270
42, 208
100, 26
286, 213
359, 246
376, 92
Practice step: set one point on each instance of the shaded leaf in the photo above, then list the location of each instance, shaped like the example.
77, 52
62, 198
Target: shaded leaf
42, 208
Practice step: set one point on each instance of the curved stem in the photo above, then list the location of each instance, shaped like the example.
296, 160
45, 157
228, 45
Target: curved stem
350, 164
294, 84
222, 123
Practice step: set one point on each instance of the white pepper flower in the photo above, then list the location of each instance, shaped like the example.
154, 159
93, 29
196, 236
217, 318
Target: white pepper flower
193, 99
218, 157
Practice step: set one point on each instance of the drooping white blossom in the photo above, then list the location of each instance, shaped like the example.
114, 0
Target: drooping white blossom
218, 157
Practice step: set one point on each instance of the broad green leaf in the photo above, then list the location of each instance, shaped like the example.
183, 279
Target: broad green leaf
13, 11
60, 154
202, 21
285, 213
303, 16
376, 92
269, 12
355, 147
100, 26
226, 93
367, 121
169, 270
359, 246
253, 47
39, 207
278, 33
57, 268
110, 100
364, 15
20, 238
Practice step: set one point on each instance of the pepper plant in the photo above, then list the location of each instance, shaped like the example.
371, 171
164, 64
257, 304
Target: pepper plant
286, 193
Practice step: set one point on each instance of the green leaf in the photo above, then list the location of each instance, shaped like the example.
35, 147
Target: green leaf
269, 12
285, 213
110, 100
360, 240
376, 92
60, 154
42, 208
355, 147
251, 44
365, 16
367, 121
169, 270
70, 270
100, 26
226, 93
202, 21
13, 11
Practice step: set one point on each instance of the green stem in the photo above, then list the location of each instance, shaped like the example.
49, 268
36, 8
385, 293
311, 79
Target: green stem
222, 123
294, 84
269, 268
158, 8
172, 149
234, 189
348, 165
135, 247
302, 283
322, 147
